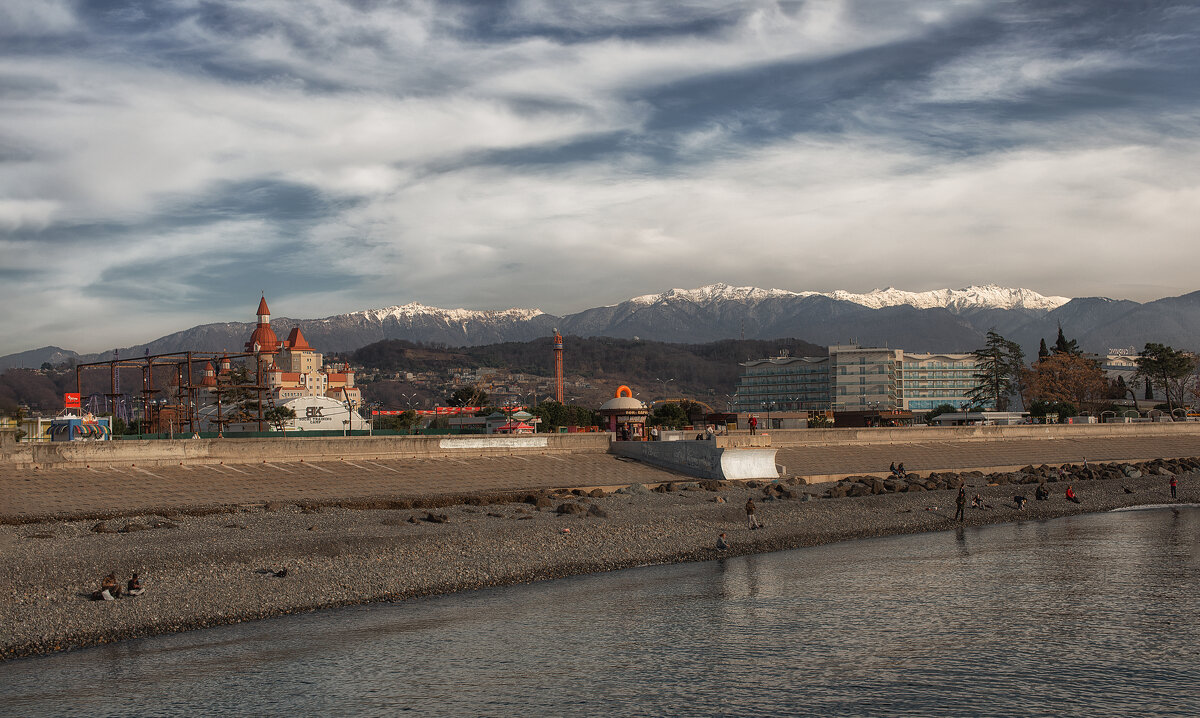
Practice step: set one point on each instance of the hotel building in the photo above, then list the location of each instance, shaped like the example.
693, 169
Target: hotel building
854, 378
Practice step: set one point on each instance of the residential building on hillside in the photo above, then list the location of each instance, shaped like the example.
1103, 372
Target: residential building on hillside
854, 378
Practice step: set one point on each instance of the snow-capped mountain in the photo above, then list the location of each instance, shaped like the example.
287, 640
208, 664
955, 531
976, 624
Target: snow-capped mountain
988, 296
412, 310
950, 320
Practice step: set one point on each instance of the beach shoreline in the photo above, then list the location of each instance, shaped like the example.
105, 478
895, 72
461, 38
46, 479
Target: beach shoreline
218, 567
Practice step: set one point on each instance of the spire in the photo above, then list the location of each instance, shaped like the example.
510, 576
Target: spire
263, 311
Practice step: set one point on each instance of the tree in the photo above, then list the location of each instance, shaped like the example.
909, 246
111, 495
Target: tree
1060, 408
1167, 368
670, 415
237, 396
998, 366
1066, 377
402, 423
938, 410
1043, 352
1062, 346
279, 415
553, 415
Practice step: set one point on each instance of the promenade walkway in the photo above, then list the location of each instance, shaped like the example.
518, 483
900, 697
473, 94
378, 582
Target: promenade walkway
41, 492
84, 491
923, 457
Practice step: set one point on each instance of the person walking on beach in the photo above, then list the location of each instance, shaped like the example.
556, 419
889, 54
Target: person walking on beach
1173, 487
961, 502
751, 519
1071, 495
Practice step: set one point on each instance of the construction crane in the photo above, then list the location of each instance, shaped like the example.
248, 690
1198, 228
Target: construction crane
558, 369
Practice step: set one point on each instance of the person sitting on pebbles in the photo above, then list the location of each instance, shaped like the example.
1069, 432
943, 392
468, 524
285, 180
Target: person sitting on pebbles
1042, 493
134, 587
1020, 501
1071, 495
109, 590
722, 544
977, 503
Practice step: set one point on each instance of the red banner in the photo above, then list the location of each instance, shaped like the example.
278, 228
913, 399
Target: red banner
70, 401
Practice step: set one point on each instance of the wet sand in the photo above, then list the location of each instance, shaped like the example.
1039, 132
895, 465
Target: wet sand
209, 569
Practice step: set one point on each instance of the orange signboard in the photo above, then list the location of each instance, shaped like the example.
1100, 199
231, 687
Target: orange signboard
71, 401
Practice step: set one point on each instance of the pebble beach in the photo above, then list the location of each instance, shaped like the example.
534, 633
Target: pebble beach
223, 565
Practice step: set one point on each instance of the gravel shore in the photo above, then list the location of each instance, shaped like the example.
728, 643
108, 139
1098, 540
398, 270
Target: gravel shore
205, 570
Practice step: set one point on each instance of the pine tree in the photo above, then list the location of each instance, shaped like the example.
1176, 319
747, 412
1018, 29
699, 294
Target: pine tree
1166, 367
1043, 352
1062, 346
997, 364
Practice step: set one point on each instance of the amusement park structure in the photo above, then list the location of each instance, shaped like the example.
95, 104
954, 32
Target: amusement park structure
558, 367
186, 379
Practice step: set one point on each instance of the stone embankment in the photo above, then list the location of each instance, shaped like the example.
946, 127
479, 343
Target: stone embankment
912, 482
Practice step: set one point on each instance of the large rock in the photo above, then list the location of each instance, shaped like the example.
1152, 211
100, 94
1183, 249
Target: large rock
571, 508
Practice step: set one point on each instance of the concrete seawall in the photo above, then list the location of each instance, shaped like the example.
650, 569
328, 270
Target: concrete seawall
81, 454
923, 434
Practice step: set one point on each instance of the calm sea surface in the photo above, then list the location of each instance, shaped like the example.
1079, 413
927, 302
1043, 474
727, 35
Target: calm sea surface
1090, 615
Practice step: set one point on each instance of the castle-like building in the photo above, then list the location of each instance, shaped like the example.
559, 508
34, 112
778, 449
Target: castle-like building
292, 369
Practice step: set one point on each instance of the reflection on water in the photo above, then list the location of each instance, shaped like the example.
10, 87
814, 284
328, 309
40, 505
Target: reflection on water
1088, 615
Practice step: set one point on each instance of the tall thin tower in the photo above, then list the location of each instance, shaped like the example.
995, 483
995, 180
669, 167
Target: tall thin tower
558, 370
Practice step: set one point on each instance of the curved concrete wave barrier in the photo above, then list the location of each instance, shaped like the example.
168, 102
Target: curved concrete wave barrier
702, 459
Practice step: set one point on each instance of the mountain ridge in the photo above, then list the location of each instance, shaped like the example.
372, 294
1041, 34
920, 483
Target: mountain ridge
941, 320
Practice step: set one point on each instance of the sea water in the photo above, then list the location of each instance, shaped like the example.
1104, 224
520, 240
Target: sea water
1088, 615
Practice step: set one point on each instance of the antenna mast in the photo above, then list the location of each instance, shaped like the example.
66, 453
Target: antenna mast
558, 367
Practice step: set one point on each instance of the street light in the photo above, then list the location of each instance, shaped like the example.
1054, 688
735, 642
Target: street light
664, 383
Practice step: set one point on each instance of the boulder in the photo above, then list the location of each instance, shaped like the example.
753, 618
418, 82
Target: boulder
436, 518
132, 527
859, 489
103, 528
596, 493
543, 502
837, 492
570, 508
596, 511
713, 485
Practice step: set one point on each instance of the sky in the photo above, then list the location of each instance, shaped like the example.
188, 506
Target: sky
162, 164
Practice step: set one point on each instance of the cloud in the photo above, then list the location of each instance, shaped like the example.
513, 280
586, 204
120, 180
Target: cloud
160, 162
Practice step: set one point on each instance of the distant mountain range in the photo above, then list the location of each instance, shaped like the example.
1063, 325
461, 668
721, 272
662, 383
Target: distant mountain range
950, 320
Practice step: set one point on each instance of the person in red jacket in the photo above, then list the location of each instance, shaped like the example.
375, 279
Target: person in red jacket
1173, 487
1071, 495
753, 425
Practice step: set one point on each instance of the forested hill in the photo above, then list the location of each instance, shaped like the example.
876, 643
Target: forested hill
694, 367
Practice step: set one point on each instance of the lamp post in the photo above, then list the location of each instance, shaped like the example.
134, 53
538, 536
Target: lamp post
664, 383
768, 405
